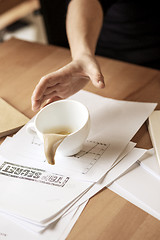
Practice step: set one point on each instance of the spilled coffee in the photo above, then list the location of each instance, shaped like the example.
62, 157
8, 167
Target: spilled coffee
52, 139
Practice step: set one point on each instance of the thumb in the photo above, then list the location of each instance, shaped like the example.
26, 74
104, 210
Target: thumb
97, 79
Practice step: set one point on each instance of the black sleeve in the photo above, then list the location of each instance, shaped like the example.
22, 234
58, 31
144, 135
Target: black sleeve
103, 4
106, 4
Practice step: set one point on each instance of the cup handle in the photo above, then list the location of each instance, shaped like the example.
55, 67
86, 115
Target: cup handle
30, 128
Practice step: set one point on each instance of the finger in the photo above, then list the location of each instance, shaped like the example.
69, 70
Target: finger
39, 90
97, 80
50, 90
36, 104
54, 99
57, 88
37, 96
45, 82
49, 96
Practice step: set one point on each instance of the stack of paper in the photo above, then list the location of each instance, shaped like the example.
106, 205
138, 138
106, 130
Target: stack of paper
47, 199
154, 130
141, 184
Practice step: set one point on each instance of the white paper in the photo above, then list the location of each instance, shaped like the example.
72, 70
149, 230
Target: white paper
73, 221
151, 164
36, 199
38, 228
113, 124
10, 230
141, 188
113, 174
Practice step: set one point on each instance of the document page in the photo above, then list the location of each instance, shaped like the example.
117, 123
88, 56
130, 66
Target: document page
113, 124
140, 186
49, 191
43, 194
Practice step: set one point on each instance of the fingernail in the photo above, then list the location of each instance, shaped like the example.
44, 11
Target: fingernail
101, 83
34, 107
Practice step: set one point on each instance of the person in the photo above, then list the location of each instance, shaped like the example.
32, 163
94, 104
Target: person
127, 30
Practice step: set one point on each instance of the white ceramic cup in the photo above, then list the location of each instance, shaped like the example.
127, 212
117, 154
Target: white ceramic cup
63, 114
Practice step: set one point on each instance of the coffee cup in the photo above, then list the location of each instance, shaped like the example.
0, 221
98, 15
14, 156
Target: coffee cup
69, 116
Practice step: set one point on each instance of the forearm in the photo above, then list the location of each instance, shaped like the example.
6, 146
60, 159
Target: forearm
84, 21
83, 24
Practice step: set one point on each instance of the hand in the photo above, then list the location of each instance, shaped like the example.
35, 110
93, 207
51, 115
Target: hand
67, 81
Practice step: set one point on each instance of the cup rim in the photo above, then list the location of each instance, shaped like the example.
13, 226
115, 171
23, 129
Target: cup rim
63, 100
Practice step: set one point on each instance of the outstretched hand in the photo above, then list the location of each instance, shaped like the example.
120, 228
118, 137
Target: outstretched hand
67, 81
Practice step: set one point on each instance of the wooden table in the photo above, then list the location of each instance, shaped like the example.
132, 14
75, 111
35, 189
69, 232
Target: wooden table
13, 10
107, 216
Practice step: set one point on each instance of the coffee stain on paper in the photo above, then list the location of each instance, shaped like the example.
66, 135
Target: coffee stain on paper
51, 143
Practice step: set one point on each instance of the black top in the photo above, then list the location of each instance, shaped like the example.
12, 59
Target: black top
131, 32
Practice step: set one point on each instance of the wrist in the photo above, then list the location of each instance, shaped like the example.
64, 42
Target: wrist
82, 52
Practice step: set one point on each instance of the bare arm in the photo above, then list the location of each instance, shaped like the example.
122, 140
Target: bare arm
83, 24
